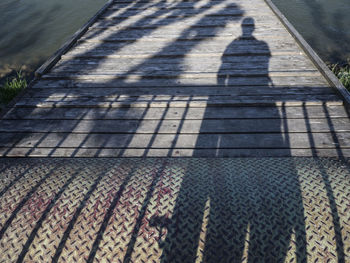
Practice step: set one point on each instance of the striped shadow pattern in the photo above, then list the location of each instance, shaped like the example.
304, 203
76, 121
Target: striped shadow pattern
174, 210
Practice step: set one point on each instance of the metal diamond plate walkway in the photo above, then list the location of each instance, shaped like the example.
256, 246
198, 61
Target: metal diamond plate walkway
174, 210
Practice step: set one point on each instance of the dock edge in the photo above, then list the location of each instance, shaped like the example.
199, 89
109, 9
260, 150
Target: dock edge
318, 62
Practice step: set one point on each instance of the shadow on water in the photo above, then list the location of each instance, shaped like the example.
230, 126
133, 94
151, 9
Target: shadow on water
243, 202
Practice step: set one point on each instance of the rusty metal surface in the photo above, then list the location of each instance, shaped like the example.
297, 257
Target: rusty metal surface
175, 210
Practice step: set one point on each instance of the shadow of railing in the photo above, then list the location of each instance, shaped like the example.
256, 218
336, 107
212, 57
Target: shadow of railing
188, 210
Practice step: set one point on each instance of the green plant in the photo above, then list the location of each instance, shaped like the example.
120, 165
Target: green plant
343, 73
12, 87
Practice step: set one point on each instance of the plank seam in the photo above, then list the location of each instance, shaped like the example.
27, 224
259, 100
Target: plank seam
188, 148
174, 133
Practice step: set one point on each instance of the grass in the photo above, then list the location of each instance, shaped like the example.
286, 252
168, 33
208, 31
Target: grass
12, 87
343, 74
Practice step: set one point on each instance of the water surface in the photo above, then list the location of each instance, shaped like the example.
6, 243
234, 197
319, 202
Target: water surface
32, 30
324, 24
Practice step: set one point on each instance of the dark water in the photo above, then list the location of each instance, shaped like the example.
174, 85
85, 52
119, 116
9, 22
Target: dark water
325, 25
32, 30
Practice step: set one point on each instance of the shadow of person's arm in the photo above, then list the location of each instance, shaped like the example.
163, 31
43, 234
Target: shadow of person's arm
222, 76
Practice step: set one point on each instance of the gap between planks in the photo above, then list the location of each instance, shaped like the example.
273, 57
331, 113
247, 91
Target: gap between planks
54, 152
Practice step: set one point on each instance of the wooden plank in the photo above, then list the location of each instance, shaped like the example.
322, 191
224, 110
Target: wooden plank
138, 4
181, 141
154, 78
191, 62
182, 104
193, 21
175, 126
262, 37
122, 2
179, 9
307, 112
230, 30
179, 74
178, 113
182, 5
172, 101
211, 64
187, 46
178, 98
243, 48
174, 91
231, 11
211, 44
132, 23
134, 61
200, 33
175, 72
239, 81
248, 52
111, 81
155, 2
70, 85
235, 12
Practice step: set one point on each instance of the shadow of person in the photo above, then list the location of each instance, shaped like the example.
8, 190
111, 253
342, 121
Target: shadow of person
239, 209
236, 210
245, 46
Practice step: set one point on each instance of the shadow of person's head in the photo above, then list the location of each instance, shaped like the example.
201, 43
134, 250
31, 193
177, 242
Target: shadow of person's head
248, 26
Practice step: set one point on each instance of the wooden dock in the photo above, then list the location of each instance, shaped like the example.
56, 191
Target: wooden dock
181, 78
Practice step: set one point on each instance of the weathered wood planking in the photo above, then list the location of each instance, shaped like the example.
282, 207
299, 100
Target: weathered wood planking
176, 51
137, 33
110, 54
249, 61
318, 112
223, 99
103, 24
173, 141
181, 104
177, 78
135, 23
106, 92
202, 35
111, 81
177, 126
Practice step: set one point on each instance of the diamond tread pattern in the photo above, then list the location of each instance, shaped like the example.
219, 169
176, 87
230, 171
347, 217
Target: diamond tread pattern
175, 210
